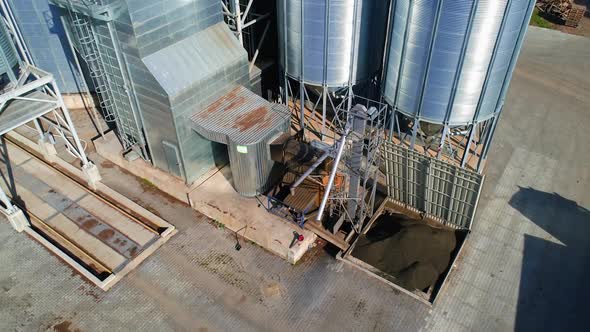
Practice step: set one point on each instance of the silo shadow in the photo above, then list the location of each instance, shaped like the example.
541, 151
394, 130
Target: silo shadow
553, 294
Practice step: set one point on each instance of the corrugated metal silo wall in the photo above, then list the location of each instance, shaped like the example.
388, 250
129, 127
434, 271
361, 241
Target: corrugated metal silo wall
450, 60
45, 37
9, 57
151, 26
151, 97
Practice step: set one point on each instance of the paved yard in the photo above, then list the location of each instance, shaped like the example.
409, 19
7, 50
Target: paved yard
524, 266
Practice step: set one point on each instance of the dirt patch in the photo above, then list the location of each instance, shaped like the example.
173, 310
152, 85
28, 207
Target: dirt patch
133, 251
313, 254
65, 326
90, 292
106, 234
227, 269
89, 224
107, 164
220, 210
150, 187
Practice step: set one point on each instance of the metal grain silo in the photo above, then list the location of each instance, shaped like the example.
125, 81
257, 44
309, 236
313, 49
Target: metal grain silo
450, 59
326, 45
449, 62
342, 39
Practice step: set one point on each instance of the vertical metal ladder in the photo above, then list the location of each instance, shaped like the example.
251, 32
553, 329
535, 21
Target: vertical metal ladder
113, 95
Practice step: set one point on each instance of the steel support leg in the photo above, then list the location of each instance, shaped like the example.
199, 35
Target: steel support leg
15, 216
468, 147
90, 170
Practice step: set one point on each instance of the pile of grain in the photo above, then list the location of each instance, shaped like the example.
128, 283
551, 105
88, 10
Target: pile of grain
413, 252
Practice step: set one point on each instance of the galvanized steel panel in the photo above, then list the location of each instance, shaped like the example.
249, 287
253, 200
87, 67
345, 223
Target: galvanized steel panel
441, 190
45, 38
338, 42
9, 57
452, 56
247, 123
180, 66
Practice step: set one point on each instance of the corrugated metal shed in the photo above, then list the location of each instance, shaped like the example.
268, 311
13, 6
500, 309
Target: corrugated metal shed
247, 123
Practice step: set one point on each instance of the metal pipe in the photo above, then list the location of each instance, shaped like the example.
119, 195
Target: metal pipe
247, 11
258, 19
310, 170
324, 106
332, 176
70, 124
302, 69
238, 16
258, 47
39, 129
6, 201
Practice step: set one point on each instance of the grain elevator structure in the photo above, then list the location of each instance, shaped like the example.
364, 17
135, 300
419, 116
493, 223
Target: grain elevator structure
369, 106
154, 64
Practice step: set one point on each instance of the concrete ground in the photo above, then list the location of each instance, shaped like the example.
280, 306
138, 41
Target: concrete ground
524, 266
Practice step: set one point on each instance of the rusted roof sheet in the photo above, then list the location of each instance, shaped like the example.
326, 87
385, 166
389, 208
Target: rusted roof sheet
240, 116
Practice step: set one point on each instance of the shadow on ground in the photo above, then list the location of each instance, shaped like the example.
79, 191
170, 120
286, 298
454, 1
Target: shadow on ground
553, 295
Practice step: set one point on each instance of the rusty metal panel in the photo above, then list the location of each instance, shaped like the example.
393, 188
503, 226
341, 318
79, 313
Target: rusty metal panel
247, 123
442, 191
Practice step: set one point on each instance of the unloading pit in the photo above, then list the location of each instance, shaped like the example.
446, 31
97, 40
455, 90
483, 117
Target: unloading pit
100, 234
410, 253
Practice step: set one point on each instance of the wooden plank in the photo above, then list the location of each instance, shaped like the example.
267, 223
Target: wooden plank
324, 234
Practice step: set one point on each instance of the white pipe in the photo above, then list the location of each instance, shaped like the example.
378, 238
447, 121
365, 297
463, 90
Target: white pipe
247, 11
258, 47
332, 176
70, 123
6, 201
238, 20
310, 170
255, 20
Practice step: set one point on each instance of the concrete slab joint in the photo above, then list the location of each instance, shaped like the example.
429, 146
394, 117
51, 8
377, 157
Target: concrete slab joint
91, 174
18, 220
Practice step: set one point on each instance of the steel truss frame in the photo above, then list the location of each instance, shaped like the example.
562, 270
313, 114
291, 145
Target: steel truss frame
55, 116
327, 113
240, 22
457, 144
